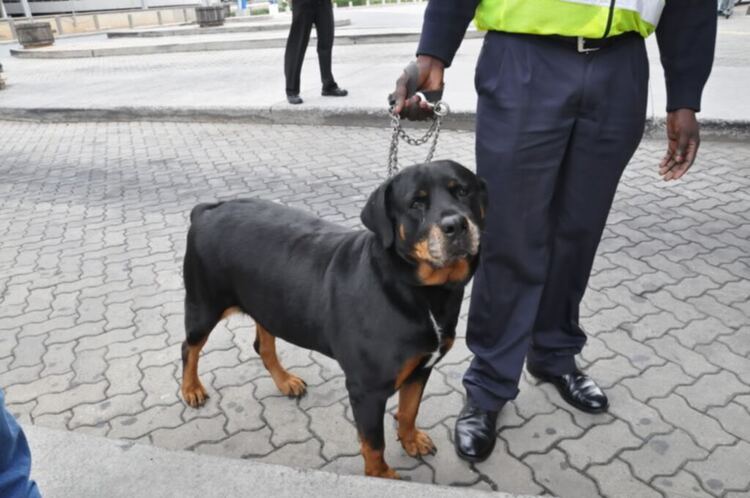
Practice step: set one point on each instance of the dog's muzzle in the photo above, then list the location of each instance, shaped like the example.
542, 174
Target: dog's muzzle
454, 237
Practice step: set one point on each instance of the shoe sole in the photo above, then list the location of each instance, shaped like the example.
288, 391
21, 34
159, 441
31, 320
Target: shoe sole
474, 459
572, 402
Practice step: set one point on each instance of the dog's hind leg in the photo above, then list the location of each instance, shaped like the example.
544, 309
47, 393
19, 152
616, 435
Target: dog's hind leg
199, 322
192, 390
265, 345
198, 325
202, 313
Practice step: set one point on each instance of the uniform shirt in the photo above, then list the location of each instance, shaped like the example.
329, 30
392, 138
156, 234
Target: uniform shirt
686, 35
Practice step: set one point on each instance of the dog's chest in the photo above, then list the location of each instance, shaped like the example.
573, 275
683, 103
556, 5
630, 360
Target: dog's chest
441, 341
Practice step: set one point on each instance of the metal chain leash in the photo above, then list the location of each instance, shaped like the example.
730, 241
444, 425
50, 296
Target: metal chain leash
440, 110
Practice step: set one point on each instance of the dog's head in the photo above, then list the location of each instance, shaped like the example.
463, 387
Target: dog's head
431, 215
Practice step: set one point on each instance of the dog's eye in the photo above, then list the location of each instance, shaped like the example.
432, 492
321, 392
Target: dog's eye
419, 203
460, 191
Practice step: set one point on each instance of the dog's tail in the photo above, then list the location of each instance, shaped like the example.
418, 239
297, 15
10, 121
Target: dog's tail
200, 208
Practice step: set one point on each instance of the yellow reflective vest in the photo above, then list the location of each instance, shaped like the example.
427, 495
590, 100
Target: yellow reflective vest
586, 18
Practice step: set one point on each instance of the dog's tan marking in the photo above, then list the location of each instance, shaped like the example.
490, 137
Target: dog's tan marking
288, 384
414, 441
456, 272
192, 390
233, 310
447, 344
421, 251
409, 366
402, 232
375, 465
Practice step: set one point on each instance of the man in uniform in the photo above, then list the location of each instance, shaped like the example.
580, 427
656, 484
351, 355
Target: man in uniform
562, 89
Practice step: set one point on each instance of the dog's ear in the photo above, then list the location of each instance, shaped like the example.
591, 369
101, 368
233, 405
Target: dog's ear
376, 214
482, 199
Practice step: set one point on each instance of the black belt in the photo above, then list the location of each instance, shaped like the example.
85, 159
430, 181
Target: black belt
586, 45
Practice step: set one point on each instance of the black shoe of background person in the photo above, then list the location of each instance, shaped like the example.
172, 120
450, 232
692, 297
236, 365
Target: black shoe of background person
294, 99
334, 91
475, 432
577, 389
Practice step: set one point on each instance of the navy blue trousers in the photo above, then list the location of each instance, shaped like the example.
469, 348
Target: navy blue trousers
555, 130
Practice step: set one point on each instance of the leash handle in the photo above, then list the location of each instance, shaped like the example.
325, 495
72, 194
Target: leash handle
433, 101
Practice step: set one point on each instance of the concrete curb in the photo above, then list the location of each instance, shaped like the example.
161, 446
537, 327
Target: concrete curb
195, 30
210, 45
253, 18
282, 114
367, 117
68, 464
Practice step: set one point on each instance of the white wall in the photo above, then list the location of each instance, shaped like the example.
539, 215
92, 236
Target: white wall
65, 6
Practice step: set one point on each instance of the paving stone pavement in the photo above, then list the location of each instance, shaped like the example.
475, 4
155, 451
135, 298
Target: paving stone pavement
93, 220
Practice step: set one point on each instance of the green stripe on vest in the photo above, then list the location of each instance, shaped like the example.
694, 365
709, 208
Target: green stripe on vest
557, 17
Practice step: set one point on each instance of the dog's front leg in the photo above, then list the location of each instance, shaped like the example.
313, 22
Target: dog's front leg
415, 442
369, 410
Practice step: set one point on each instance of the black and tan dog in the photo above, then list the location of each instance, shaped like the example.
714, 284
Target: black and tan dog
384, 303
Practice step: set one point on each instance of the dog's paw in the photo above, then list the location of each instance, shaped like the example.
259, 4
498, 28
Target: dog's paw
390, 474
385, 473
293, 386
418, 443
194, 395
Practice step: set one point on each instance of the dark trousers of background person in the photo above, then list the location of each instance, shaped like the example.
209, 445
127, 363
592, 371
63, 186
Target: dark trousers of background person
305, 13
555, 130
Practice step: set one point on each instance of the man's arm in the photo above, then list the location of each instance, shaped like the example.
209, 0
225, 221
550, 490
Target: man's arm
687, 37
443, 29
444, 26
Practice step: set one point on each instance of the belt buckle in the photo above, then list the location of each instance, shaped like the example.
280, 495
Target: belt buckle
581, 46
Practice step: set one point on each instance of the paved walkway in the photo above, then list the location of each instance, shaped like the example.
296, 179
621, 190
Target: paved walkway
92, 231
243, 81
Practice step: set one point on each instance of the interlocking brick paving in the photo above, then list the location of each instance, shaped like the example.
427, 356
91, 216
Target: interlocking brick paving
93, 220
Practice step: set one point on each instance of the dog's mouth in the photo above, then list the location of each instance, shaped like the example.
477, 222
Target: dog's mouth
440, 251
460, 249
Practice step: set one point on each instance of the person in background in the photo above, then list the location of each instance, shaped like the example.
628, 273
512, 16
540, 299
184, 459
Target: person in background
726, 7
15, 458
305, 13
562, 89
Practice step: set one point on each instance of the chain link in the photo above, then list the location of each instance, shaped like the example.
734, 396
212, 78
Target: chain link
440, 110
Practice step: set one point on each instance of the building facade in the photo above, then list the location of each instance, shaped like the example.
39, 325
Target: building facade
47, 7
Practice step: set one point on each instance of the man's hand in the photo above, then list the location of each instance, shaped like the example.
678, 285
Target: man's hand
429, 78
683, 140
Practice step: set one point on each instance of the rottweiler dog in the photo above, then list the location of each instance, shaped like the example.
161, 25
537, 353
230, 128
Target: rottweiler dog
383, 302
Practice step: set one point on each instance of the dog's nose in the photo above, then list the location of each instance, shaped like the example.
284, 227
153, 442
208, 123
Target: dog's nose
454, 225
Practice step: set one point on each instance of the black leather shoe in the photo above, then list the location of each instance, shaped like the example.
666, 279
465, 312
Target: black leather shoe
577, 389
334, 92
294, 99
475, 433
